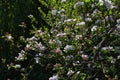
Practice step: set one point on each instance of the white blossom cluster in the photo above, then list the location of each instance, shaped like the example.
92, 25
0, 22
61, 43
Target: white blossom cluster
68, 48
118, 24
21, 55
54, 77
70, 39
107, 3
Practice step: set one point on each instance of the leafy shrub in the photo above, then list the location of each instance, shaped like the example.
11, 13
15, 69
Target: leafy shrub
81, 43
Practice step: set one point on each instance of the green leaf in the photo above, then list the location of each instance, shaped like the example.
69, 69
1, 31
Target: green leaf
87, 0
110, 12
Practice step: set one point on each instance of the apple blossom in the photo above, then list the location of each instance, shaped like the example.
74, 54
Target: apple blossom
54, 12
84, 57
63, 1
54, 77
78, 4
70, 72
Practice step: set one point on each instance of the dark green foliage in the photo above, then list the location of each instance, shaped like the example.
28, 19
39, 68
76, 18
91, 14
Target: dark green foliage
14, 21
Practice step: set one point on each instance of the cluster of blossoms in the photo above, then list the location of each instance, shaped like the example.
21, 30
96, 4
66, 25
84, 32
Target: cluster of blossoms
79, 4
8, 36
68, 47
118, 23
74, 41
54, 77
107, 3
21, 55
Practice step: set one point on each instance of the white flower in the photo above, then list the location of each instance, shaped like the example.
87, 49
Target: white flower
39, 32
78, 4
93, 5
61, 34
30, 16
68, 47
69, 57
31, 39
21, 55
96, 78
54, 12
50, 41
88, 19
107, 48
80, 24
78, 72
107, 18
9, 37
94, 28
74, 19
77, 62
109, 4
118, 57
95, 47
27, 47
54, 77
95, 12
17, 66
89, 65
70, 72
70, 20
118, 21
78, 37
101, 2
40, 46
63, 1
118, 26
97, 21
62, 10
39, 54
80, 52
84, 57
37, 59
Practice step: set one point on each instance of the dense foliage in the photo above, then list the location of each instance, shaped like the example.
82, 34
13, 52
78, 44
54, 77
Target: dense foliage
60, 39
